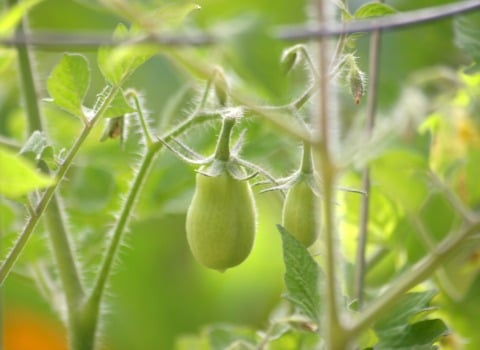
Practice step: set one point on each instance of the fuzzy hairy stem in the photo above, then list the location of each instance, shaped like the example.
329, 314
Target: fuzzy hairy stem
90, 312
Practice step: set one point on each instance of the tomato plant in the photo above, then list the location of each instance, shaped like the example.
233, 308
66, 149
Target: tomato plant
112, 219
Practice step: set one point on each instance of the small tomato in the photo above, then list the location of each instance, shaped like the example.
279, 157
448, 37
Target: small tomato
221, 220
299, 210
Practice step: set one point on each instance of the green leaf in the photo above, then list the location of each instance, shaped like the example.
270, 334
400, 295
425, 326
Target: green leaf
18, 177
10, 18
68, 83
302, 276
420, 335
117, 64
396, 331
466, 29
410, 305
374, 9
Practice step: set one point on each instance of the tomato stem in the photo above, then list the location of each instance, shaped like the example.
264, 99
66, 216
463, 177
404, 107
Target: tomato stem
306, 166
222, 150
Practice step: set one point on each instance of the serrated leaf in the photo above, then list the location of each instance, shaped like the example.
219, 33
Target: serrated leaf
69, 82
302, 276
373, 9
466, 29
116, 64
10, 18
420, 335
399, 316
18, 177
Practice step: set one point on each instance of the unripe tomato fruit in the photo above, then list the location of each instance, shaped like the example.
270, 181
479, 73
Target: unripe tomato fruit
221, 221
299, 210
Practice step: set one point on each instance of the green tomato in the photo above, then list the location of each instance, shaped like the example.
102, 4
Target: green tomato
221, 221
298, 215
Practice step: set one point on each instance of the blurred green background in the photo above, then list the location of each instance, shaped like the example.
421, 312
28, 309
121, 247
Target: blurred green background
158, 292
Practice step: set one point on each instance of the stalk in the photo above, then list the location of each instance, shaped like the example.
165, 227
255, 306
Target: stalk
374, 66
333, 330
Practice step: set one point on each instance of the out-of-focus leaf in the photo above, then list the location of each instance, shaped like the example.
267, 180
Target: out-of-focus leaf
10, 18
395, 330
410, 305
302, 276
36, 148
7, 57
18, 177
92, 188
116, 64
398, 173
223, 337
69, 82
373, 9
172, 15
466, 30
420, 335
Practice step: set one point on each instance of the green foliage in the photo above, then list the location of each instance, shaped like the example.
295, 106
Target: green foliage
117, 64
18, 176
10, 19
69, 82
403, 327
424, 181
466, 29
373, 9
302, 276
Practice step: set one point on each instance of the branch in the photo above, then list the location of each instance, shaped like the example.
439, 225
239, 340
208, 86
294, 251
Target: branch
385, 23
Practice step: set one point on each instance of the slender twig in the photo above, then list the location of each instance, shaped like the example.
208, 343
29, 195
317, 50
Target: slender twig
374, 67
399, 20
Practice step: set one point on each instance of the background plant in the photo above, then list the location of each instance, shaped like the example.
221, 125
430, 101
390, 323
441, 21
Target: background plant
421, 154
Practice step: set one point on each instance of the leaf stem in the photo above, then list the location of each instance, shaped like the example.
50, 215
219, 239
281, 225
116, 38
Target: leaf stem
222, 150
